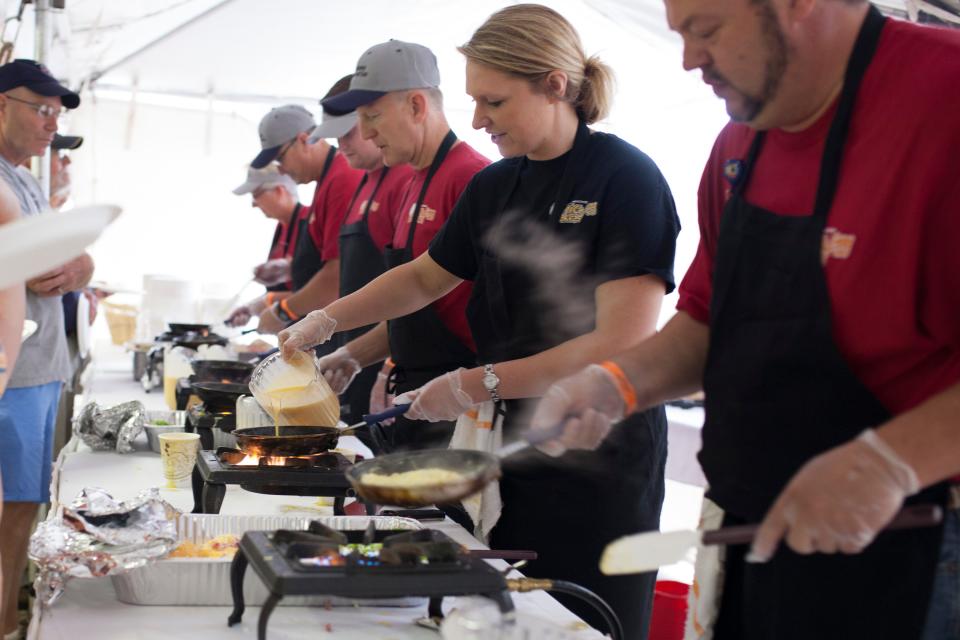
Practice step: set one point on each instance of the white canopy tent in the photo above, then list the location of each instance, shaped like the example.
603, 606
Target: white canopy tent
173, 91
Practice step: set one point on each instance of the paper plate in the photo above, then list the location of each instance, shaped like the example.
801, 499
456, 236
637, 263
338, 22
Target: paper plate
29, 327
36, 244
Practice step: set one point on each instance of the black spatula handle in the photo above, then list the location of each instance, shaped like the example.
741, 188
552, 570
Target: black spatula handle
921, 515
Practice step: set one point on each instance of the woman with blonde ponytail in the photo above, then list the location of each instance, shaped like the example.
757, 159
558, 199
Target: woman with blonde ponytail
569, 242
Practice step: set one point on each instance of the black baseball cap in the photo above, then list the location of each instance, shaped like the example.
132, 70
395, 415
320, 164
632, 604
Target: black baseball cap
36, 77
66, 142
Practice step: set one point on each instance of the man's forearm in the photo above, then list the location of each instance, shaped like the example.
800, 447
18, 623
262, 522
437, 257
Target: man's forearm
371, 347
927, 437
670, 364
322, 289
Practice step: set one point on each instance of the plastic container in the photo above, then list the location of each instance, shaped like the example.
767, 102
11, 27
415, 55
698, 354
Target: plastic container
176, 422
295, 393
206, 581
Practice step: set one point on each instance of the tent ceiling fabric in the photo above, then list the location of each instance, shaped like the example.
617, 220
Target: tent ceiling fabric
297, 48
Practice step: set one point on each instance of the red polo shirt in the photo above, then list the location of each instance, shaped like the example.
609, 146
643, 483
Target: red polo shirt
445, 188
385, 208
330, 202
891, 261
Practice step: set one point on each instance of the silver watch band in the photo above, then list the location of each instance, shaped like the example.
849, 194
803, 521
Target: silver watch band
495, 390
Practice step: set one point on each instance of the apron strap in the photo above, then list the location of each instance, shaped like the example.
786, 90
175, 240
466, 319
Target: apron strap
438, 159
373, 194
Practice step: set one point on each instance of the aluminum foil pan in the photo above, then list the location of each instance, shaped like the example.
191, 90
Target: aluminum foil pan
110, 429
206, 581
98, 536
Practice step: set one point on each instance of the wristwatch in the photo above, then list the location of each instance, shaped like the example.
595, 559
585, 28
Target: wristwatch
491, 382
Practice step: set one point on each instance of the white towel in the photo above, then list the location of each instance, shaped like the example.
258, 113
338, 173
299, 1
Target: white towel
703, 603
481, 430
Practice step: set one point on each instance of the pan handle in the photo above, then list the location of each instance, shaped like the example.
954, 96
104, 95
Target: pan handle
392, 412
921, 515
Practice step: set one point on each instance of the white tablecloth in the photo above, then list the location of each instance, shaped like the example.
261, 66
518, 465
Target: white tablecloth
89, 609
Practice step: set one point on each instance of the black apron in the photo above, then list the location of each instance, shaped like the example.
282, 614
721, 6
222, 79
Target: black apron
779, 392
360, 263
421, 345
284, 242
569, 508
306, 261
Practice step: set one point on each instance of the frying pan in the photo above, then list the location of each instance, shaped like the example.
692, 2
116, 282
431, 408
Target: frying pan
194, 340
477, 468
222, 371
302, 441
181, 328
218, 397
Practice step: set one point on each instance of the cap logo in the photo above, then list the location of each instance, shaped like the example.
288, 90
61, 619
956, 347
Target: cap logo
361, 71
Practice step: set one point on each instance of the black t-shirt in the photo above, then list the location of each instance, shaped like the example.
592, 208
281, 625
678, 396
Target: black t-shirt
547, 259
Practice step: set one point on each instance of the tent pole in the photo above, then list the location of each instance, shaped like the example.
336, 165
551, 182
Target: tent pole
43, 40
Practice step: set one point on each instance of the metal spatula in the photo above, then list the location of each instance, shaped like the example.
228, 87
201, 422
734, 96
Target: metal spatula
644, 552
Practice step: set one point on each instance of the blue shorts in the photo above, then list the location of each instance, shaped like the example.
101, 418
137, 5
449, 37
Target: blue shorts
27, 419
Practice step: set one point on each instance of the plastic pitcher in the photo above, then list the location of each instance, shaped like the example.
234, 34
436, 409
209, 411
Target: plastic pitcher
295, 393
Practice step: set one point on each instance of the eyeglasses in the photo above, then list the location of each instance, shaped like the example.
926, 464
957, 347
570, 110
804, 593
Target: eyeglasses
43, 110
283, 152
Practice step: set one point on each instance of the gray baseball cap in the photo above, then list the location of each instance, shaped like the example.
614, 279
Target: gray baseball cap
265, 179
332, 126
279, 127
391, 66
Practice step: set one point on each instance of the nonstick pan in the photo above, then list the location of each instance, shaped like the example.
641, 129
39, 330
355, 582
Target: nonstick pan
219, 397
221, 371
302, 441
477, 468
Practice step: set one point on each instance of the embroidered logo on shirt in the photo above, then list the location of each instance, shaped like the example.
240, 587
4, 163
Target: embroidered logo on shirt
732, 170
576, 210
426, 214
373, 206
836, 245
312, 218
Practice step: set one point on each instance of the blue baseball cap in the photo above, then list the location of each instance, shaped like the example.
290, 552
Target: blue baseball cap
36, 77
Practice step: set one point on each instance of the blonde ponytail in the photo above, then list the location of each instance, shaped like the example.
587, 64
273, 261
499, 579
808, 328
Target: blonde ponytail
530, 41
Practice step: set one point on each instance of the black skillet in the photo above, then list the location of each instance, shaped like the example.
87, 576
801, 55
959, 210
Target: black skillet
219, 397
302, 441
221, 371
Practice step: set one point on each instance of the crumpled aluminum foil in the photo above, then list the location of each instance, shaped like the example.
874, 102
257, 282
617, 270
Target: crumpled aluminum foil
113, 428
99, 536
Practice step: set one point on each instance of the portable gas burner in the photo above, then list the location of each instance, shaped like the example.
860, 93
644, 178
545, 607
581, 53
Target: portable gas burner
322, 474
362, 565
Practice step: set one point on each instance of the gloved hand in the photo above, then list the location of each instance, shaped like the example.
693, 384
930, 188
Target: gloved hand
380, 398
272, 272
270, 322
839, 500
316, 328
339, 368
589, 403
242, 314
442, 398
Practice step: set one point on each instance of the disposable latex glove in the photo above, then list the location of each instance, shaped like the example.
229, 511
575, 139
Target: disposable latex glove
587, 402
339, 368
242, 314
380, 398
838, 501
442, 398
270, 322
316, 328
272, 272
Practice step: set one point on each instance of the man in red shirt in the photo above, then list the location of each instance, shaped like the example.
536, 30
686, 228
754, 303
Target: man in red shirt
396, 94
368, 227
827, 343
275, 194
285, 138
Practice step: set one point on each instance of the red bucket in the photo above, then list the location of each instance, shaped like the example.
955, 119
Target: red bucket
669, 610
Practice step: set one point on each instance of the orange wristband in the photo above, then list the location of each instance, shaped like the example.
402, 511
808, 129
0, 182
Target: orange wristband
270, 298
388, 362
288, 310
627, 393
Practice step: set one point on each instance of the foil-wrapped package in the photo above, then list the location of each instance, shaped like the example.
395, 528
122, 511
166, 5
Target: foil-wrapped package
114, 428
100, 536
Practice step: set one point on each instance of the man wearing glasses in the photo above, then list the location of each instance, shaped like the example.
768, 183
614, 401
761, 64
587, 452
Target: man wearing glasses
31, 101
285, 136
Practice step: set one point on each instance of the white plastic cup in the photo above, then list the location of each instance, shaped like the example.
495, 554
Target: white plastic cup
178, 455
